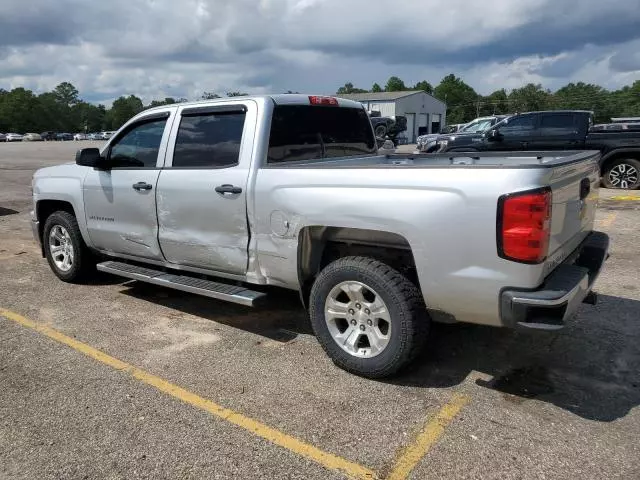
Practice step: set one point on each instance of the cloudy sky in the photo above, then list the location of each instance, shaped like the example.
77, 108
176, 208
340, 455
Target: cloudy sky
180, 48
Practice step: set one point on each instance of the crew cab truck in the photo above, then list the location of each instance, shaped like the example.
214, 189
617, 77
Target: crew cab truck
229, 198
559, 130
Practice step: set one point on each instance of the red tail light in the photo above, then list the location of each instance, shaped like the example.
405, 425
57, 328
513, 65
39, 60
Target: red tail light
317, 100
524, 226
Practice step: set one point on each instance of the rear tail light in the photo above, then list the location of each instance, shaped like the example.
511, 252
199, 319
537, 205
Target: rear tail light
524, 226
316, 100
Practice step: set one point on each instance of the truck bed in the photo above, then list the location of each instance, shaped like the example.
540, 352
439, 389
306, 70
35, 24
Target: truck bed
453, 159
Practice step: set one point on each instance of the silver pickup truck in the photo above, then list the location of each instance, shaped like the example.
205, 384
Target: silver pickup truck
227, 198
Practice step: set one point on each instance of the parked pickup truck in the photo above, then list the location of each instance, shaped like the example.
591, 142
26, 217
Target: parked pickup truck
559, 130
429, 143
227, 198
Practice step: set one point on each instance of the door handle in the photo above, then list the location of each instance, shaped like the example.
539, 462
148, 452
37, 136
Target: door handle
142, 186
226, 188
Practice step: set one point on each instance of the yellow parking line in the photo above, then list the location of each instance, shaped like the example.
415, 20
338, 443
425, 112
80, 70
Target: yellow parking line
609, 219
429, 435
626, 197
327, 460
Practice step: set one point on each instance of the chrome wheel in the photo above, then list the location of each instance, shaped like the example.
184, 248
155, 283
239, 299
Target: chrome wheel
623, 175
358, 319
61, 248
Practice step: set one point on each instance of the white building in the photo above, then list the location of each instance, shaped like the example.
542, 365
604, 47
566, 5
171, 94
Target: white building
425, 113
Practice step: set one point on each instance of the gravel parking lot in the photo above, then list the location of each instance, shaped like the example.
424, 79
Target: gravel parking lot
124, 380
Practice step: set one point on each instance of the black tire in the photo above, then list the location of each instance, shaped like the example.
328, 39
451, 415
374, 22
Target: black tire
409, 319
380, 131
629, 165
83, 261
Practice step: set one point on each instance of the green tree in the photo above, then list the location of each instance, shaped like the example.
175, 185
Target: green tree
626, 101
376, 88
349, 88
497, 103
209, 96
122, 110
66, 94
159, 103
394, 84
585, 96
461, 99
530, 98
424, 86
20, 111
237, 94
86, 117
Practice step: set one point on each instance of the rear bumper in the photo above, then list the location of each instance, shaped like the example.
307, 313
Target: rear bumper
558, 298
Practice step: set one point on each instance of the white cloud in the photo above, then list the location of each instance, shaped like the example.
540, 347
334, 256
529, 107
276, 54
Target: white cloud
157, 48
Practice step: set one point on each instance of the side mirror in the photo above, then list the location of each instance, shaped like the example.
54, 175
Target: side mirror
494, 135
89, 157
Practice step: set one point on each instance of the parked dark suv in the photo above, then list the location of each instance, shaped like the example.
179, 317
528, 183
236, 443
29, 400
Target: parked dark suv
48, 136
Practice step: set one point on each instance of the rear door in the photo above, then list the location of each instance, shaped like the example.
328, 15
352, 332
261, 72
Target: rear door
202, 192
558, 131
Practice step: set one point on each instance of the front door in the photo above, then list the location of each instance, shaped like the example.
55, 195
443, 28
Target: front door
202, 192
518, 133
120, 199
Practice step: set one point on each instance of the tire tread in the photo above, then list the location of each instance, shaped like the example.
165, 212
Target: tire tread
414, 322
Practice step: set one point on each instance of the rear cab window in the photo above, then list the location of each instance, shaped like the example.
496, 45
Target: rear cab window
308, 132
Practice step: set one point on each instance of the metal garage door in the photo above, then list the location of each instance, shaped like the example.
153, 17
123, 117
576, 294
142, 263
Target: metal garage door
423, 128
411, 127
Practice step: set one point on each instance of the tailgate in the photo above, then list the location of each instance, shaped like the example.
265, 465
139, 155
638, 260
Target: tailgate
575, 194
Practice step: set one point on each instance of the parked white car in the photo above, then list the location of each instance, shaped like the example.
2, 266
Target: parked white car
80, 136
14, 137
32, 137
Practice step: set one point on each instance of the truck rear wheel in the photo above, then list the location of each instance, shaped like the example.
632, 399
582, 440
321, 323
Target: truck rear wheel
369, 318
68, 256
623, 173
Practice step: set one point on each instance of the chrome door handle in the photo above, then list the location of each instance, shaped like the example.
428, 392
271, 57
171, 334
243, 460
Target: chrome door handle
226, 188
142, 186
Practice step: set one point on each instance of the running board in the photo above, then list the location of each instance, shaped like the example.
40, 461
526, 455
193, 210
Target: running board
199, 286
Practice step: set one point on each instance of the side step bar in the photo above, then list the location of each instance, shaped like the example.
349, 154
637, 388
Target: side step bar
199, 286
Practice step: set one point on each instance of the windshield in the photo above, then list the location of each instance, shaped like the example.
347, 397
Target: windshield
477, 126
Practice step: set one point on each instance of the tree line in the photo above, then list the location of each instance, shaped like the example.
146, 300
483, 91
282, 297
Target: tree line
465, 104
62, 109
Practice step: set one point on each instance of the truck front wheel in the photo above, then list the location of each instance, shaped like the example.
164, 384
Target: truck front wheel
67, 254
369, 318
380, 131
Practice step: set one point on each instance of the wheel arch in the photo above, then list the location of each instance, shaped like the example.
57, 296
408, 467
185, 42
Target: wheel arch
44, 209
320, 245
617, 154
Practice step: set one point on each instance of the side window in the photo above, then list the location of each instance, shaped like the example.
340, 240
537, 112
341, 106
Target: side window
557, 124
139, 146
523, 125
209, 140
